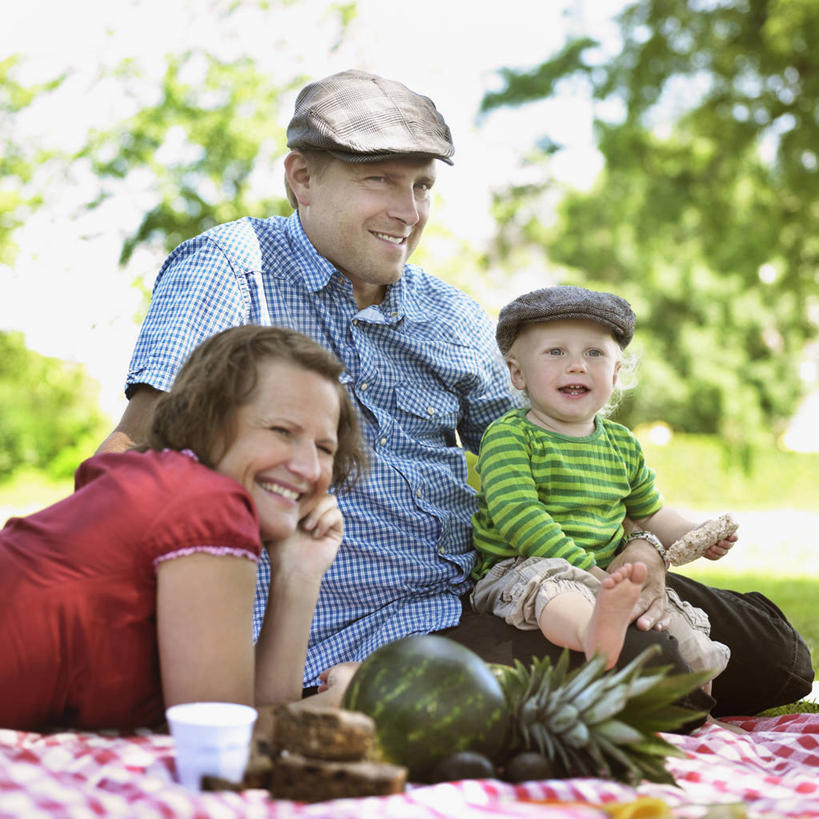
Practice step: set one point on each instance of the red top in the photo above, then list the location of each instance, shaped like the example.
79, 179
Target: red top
78, 642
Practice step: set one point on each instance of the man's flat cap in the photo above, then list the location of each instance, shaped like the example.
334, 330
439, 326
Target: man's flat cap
360, 117
565, 302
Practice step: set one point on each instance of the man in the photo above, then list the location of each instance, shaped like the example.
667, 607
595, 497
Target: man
421, 364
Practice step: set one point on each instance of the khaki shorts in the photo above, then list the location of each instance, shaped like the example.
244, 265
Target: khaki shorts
519, 588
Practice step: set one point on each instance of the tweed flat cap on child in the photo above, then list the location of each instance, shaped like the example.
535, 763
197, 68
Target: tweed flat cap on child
360, 117
565, 302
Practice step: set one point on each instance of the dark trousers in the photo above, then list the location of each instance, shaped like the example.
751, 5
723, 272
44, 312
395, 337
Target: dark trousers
770, 663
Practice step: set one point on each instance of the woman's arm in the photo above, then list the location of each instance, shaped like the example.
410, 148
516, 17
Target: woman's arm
297, 565
204, 628
205, 616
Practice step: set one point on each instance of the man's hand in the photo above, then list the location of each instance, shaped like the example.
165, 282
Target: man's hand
649, 610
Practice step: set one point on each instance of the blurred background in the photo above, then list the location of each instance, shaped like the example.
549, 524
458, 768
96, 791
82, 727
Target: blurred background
667, 151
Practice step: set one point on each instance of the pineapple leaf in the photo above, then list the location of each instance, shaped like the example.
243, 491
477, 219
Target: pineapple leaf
606, 707
618, 732
581, 677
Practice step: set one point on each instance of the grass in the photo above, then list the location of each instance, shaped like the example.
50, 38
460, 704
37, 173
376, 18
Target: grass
700, 472
796, 596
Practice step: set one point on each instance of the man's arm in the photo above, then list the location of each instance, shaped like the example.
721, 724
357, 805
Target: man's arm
134, 425
649, 610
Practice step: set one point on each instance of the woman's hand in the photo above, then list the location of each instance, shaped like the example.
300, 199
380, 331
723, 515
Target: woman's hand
312, 547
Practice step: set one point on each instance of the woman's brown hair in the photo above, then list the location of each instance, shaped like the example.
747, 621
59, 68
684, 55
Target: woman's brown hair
219, 376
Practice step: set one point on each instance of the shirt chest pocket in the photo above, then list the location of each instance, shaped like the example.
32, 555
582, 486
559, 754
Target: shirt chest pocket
428, 416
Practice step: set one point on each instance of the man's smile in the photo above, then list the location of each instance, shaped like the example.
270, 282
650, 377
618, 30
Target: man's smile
395, 240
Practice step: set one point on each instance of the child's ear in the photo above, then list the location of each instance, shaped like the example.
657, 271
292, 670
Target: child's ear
616, 373
516, 374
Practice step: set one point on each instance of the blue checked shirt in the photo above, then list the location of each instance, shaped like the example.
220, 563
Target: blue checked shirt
420, 366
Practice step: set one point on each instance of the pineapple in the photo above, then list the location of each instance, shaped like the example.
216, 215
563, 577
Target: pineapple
590, 722
433, 699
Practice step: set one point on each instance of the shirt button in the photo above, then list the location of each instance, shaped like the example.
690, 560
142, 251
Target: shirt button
363, 385
383, 442
419, 492
431, 410
441, 550
355, 322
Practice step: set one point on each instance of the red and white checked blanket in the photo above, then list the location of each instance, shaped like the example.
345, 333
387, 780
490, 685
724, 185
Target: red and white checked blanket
773, 770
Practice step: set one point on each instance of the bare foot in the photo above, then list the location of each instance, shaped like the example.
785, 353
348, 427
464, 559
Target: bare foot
618, 593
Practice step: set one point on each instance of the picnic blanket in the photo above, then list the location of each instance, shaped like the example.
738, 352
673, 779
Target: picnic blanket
771, 771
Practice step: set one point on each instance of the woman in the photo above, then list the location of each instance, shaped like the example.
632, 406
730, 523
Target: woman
136, 592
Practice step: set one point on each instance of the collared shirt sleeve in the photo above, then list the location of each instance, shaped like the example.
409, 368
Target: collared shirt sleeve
197, 293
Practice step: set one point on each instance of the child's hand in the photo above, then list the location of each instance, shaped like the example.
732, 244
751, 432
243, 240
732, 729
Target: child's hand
333, 683
337, 675
721, 548
712, 539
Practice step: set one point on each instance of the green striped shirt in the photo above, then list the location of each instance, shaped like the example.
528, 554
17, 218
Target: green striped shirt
544, 494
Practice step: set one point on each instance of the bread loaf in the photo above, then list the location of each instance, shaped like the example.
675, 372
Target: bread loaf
314, 780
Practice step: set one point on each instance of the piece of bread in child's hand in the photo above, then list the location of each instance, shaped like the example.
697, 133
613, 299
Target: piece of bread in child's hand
695, 543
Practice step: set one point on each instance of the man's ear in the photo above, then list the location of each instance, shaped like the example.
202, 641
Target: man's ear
516, 374
297, 173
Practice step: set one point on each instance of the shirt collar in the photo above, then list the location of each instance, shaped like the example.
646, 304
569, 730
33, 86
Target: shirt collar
318, 271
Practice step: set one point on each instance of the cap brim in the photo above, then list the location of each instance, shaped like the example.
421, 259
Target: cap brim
345, 156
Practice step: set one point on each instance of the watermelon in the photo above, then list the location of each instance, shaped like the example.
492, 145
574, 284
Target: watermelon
430, 697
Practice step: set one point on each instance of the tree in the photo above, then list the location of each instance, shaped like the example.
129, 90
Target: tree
19, 159
195, 149
706, 215
201, 152
48, 415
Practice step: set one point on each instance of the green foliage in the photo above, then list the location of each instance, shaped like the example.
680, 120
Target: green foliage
49, 416
706, 216
195, 149
202, 148
18, 159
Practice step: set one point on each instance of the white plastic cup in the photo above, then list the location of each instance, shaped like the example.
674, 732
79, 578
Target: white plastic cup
212, 739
